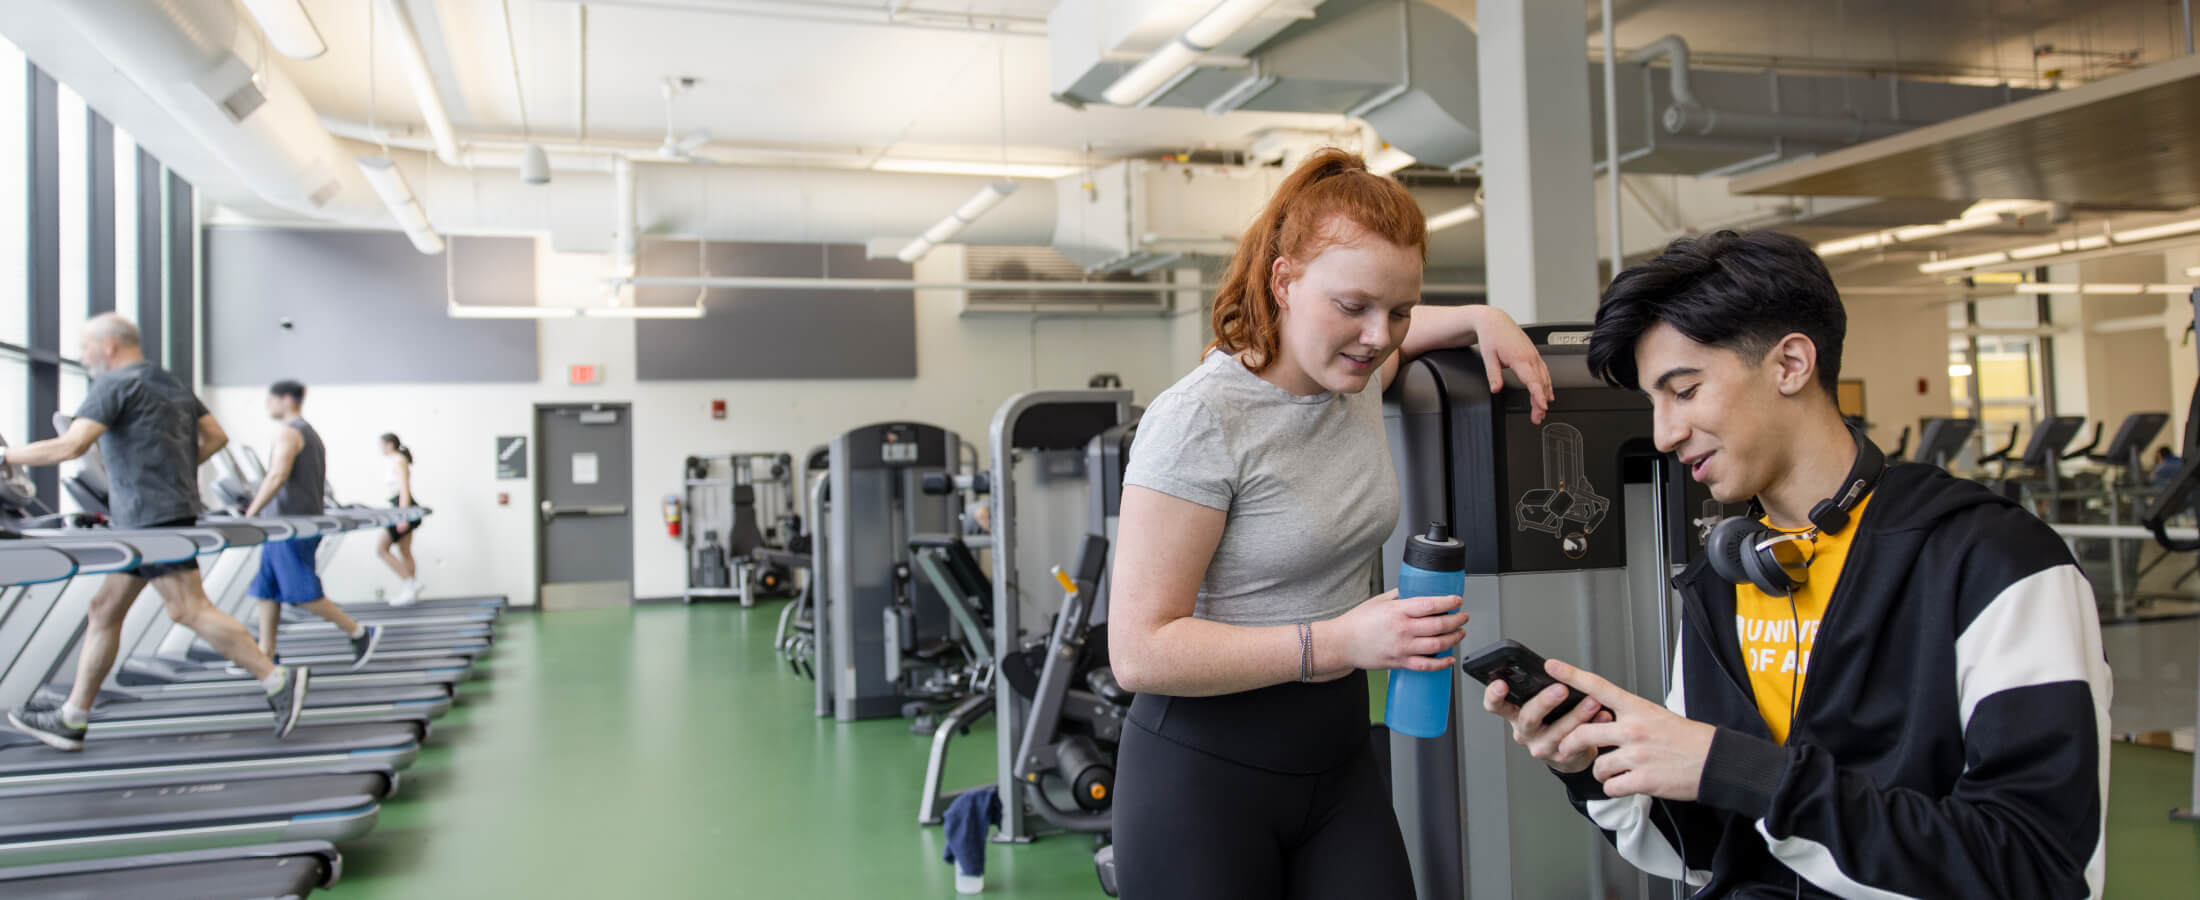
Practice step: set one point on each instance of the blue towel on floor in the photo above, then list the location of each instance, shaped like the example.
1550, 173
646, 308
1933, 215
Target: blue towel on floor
967, 822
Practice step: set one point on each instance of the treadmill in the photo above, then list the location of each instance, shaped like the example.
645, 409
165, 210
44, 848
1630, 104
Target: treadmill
28, 766
292, 869
130, 710
170, 660
401, 648
247, 469
180, 809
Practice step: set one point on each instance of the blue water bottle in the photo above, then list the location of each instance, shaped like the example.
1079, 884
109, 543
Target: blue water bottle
1435, 565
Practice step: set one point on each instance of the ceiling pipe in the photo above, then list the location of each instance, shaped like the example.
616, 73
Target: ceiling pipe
626, 236
759, 282
1687, 116
422, 79
190, 59
900, 15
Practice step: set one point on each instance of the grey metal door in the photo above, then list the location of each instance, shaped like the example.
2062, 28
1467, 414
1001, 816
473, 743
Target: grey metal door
584, 530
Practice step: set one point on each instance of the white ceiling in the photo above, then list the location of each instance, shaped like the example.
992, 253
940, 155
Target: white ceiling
761, 80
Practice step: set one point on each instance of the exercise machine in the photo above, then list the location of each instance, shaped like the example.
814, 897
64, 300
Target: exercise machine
1595, 591
739, 519
1042, 507
1941, 439
1077, 711
877, 623
2178, 498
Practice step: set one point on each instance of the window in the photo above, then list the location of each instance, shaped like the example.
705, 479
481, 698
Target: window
15, 393
14, 224
1996, 367
75, 382
126, 226
73, 129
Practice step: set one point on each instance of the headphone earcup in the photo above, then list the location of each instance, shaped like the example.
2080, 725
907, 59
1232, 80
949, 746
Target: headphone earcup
1764, 571
1724, 547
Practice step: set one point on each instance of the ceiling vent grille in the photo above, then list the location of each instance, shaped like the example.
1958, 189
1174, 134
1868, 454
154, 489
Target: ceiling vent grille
1044, 264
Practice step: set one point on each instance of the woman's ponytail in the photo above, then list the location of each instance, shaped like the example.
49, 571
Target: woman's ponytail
1296, 224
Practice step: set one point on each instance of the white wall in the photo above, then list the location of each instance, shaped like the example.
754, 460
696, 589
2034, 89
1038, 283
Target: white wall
966, 368
1893, 343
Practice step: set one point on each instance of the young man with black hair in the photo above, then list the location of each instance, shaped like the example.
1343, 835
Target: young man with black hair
1918, 704
296, 485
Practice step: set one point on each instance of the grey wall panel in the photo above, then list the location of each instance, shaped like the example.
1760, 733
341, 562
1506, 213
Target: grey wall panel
756, 334
365, 308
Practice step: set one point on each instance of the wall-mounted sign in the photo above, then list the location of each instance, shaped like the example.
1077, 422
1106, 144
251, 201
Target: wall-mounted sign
512, 456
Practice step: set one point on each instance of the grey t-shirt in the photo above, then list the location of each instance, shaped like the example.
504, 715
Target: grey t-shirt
151, 447
1307, 482
305, 492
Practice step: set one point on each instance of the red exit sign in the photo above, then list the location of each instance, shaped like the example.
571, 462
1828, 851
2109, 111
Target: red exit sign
586, 375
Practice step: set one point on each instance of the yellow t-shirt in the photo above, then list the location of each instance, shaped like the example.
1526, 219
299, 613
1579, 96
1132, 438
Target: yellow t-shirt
1768, 627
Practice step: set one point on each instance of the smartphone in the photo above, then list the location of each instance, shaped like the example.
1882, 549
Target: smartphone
1521, 669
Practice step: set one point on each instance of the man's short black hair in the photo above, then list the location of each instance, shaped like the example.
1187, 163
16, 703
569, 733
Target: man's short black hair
288, 388
1742, 292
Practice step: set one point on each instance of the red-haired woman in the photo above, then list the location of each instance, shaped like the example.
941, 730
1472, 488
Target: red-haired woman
1259, 489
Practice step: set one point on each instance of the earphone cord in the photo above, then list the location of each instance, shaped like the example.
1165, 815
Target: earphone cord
1795, 695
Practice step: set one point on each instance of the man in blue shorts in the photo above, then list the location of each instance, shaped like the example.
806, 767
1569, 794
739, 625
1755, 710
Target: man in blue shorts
297, 473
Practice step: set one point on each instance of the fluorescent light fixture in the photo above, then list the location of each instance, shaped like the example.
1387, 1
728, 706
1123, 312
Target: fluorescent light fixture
2153, 232
643, 312
1996, 208
389, 183
945, 230
1181, 52
1962, 262
1388, 160
2193, 272
1460, 216
981, 169
2118, 288
2067, 246
1959, 370
511, 312
1983, 214
422, 80
287, 27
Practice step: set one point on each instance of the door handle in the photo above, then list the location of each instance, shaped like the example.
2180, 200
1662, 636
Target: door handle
551, 510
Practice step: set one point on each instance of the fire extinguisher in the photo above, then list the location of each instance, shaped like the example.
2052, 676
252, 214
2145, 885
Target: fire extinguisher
672, 516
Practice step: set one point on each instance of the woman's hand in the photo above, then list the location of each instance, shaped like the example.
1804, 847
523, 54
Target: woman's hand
1505, 346
1387, 632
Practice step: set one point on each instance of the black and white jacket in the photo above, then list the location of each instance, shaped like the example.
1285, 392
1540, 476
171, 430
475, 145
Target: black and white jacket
1951, 740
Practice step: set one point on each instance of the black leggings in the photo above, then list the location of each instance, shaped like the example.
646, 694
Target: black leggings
1192, 820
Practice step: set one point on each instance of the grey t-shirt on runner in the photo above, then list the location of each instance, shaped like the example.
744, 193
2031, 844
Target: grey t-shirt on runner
1307, 483
151, 447
305, 492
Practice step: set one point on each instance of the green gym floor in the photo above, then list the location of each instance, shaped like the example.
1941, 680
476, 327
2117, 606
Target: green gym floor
664, 751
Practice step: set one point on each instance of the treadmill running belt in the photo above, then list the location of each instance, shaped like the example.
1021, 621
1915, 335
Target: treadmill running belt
133, 710
85, 813
179, 749
284, 876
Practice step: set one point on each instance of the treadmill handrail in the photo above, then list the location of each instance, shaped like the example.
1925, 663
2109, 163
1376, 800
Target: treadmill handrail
2087, 450
130, 555
18, 558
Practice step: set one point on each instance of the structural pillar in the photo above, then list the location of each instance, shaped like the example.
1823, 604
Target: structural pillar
1537, 194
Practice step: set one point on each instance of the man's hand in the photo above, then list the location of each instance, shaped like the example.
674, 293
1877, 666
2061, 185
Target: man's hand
1543, 740
1647, 749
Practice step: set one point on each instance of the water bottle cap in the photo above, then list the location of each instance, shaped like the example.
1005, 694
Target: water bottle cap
1436, 551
